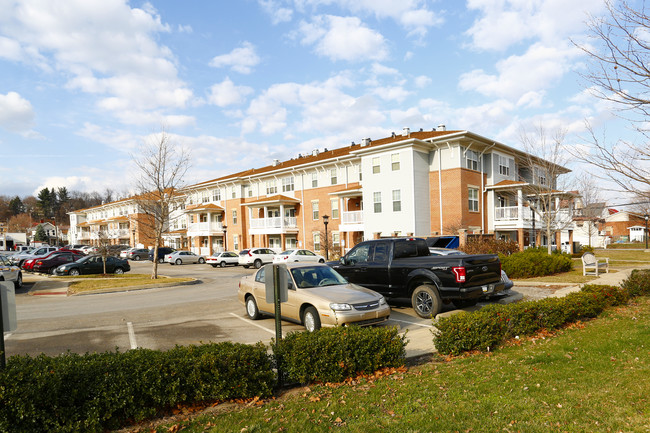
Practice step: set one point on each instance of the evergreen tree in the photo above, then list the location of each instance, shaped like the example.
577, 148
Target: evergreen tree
16, 206
45, 202
40, 235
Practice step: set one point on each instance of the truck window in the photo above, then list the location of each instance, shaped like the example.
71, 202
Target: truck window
381, 252
359, 254
415, 248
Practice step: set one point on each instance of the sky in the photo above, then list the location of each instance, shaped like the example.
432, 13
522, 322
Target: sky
84, 83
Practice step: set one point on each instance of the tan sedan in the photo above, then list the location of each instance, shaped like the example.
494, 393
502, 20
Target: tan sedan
317, 296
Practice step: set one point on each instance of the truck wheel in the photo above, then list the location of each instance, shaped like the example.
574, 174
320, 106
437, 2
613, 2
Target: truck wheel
426, 301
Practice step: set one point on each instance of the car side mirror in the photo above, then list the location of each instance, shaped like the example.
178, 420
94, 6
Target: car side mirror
290, 286
343, 261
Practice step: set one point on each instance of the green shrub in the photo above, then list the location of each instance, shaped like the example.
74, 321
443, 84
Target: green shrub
638, 283
489, 245
490, 326
333, 354
535, 262
94, 392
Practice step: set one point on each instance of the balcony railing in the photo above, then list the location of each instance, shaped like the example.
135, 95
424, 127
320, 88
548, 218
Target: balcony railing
352, 217
207, 227
273, 223
506, 213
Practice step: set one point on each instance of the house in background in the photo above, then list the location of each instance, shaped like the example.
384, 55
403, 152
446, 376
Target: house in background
616, 227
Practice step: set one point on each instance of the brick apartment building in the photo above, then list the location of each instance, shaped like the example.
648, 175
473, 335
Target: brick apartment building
417, 183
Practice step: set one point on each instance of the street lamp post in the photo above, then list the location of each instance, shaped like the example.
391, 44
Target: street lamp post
225, 238
326, 219
646, 230
133, 232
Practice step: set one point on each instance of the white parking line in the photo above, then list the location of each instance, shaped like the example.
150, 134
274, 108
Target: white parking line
412, 323
134, 344
253, 323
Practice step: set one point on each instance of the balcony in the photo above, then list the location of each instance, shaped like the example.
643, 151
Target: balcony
274, 225
207, 228
118, 234
351, 221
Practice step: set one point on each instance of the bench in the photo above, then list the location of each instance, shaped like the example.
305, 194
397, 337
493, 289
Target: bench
592, 266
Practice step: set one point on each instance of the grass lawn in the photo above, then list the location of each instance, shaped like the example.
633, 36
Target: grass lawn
591, 377
89, 283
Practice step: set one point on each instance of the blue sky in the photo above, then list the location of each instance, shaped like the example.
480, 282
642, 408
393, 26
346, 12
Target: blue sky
239, 83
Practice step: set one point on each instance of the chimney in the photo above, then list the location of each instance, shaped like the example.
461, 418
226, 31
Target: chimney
314, 152
276, 162
442, 127
365, 142
406, 132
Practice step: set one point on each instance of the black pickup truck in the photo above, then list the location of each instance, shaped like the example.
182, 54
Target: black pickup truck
403, 268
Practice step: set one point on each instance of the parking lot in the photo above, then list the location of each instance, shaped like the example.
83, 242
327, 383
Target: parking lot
160, 318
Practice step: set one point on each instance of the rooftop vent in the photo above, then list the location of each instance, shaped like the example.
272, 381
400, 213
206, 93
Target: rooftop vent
325, 149
366, 142
406, 132
276, 162
442, 127
314, 152
392, 134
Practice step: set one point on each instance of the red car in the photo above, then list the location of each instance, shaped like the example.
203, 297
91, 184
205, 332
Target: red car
28, 265
48, 265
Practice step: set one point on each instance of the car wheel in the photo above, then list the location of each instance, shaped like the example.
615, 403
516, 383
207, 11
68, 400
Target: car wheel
74, 272
52, 271
222, 264
136, 258
464, 303
321, 261
19, 280
311, 319
246, 266
258, 264
161, 260
426, 301
214, 266
251, 308
179, 262
119, 271
201, 260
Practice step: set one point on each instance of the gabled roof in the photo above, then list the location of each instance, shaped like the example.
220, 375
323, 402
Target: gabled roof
203, 207
274, 199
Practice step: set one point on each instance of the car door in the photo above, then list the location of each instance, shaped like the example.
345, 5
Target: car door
355, 267
93, 265
308, 256
376, 275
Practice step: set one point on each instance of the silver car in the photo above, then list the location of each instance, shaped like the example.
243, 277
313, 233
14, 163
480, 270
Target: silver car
10, 272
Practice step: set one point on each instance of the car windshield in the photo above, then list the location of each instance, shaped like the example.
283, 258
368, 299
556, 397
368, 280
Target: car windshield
316, 276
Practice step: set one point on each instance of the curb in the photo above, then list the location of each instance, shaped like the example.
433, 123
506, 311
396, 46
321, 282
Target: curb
60, 288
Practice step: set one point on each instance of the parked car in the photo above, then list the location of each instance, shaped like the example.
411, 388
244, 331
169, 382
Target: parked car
28, 264
256, 257
137, 254
38, 252
223, 259
49, 264
10, 272
404, 268
298, 256
89, 249
183, 257
93, 264
123, 253
317, 296
162, 252
507, 282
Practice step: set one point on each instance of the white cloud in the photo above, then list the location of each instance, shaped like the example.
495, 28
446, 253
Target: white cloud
106, 48
241, 59
535, 70
422, 81
227, 93
278, 14
392, 93
503, 23
343, 38
16, 113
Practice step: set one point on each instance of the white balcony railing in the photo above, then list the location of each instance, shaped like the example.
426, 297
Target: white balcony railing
205, 227
273, 223
506, 213
352, 217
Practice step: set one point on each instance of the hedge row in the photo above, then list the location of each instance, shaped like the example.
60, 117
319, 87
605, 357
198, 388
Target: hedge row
535, 262
95, 392
494, 324
333, 354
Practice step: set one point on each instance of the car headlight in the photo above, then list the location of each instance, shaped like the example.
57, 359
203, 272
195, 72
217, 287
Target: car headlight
382, 301
340, 307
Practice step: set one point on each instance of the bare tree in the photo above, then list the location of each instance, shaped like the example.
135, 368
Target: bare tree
162, 165
546, 193
590, 214
103, 246
620, 74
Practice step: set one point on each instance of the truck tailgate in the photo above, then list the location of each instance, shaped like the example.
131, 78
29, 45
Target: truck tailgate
482, 269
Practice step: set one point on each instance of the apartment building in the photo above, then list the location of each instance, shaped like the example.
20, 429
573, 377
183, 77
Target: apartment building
417, 183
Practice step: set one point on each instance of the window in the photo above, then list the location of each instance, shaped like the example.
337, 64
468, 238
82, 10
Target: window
540, 176
314, 210
233, 192
504, 165
234, 217
473, 199
235, 242
471, 160
376, 197
336, 240
287, 184
246, 191
314, 180
203, 218
333, 176
375, 165
271, 187
397, 200
394, 161
335, 208
316, 241
205, 197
